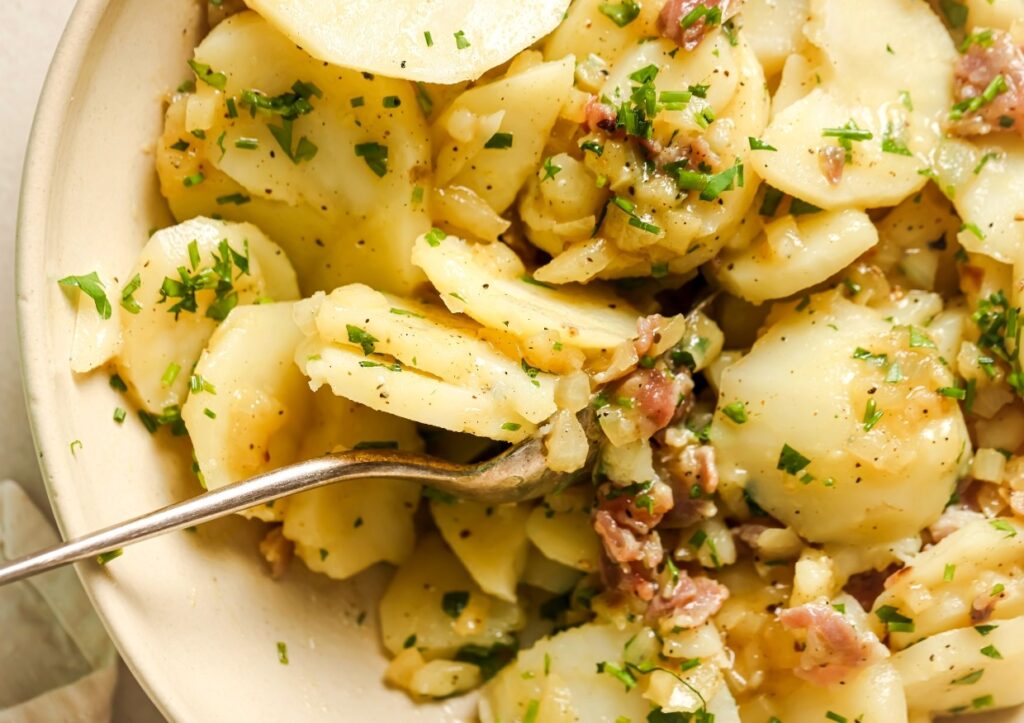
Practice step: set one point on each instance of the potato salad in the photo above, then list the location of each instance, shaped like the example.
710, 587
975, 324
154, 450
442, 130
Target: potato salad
775, 248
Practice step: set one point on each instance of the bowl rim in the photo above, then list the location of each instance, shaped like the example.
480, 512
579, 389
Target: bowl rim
41, 157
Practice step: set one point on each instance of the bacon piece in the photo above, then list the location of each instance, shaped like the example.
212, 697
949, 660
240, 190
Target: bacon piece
832, 160
674, 11
640, 512
277, 550
701, 154
631, 578
659, 396
598, 115
689, 603
686, 470
834, 648
975, 70
625, 545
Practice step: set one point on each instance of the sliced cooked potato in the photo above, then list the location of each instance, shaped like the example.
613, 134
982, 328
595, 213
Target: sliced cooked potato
862, 83
248, 399
843, 455
964, 670
796, 253
159, 346
342, 203
546, 574
561, 529
490, 540
527, 104
980, 557
490, 284
774, 30
437, 42
96, 340
433, 604
991, 201
875, 694
586, 31
421, 363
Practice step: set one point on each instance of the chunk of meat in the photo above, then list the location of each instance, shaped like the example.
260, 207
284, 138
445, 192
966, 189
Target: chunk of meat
676, 14
832, 160
695, 155
630, 578
277, 550
625, 545
979, 69
640, 511
689, 602
599, 116
834, 648
658, 394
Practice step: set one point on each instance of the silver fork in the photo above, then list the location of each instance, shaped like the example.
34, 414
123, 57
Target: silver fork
520, 473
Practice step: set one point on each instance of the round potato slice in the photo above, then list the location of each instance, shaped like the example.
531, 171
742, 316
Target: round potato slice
440, 41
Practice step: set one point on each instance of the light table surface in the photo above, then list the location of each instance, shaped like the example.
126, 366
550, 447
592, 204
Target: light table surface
29, 35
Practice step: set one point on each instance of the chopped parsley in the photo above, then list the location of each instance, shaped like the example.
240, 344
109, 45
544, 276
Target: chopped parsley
984, 630
871, 415
736, 411
511, 426
622, 14
193, 179
894, 620
247, 144
208, 75
428, 38
375, 155
170, 374
282, 653
990, 651
91, 286
105, 557
128, 302
217, 278
953, 392
238, 199
460, 40
791, 461
892, 144
967, 106
550, 169
991, 155
949, 572
756, 144
969, 679
711, 186
710, 15
361, 337
847, 134
593, 146
453, 603
434, 237
117, 383
918, 339
1004, 526
623, 675
532, 711
954, 12
119, 414
864, 355
499, 140
391, 101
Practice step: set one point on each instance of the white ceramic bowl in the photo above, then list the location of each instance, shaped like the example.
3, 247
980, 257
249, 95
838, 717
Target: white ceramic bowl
194, 615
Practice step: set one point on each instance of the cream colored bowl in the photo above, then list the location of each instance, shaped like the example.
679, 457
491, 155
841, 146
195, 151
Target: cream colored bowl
195, 615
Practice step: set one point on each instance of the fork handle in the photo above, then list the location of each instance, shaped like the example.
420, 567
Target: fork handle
235, 498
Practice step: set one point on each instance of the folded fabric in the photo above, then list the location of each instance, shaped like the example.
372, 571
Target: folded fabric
56, 661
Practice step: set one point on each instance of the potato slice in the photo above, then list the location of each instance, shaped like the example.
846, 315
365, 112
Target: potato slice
489, 283
439, 42
433, 604
248, 399
490, 540
795, 253
561, 529
96, 340
426, 365
875, 694
939, 587
864, 83
963, 670
527, 105
774, 30
818, 455
587, 31
341, 216
992, 200
159, 346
